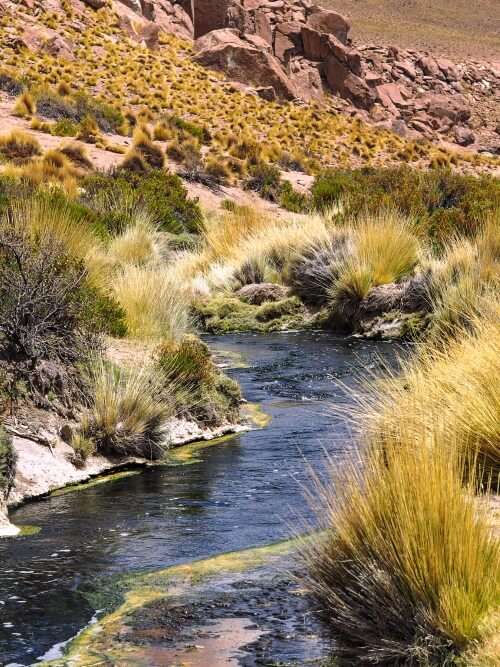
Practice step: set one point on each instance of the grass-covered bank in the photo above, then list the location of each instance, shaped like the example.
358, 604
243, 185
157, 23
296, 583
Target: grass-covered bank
80, 274
408, 570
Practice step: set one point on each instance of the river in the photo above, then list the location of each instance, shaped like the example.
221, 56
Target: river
246, 491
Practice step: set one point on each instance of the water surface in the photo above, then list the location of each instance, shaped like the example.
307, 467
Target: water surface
244, 492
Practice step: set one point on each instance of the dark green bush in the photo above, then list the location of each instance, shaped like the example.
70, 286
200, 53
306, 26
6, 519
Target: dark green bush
102, 314
7, 463
442, 202
107, 117
65, 127
162, 193
202, 392
188, 362
200, 133
291, 200
265, 179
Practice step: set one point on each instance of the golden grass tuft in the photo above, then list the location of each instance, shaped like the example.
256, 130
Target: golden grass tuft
154, 304
447, 393
19, 146
128, 411
407, 570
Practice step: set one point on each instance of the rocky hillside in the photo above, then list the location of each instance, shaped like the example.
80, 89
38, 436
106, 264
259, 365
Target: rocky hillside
295, 81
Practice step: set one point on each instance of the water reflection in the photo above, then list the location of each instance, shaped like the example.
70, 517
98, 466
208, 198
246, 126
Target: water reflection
243, 492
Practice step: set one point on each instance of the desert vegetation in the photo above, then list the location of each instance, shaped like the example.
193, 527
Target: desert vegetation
217, 131
407, 528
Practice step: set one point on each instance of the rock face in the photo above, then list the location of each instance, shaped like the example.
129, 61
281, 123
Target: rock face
289, 49
243, 61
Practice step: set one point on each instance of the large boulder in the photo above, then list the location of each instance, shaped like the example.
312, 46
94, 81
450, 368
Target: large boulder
348, 85
331, 23
209, 15
453, 108
258, 293
242, 61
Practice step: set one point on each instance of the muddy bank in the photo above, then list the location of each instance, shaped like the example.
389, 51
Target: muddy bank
42, 469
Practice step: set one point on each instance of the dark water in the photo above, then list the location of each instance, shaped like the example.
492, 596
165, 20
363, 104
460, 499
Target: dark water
245, 492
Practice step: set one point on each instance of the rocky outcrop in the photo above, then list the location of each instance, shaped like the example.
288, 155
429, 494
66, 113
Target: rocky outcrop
258, 293
244, 60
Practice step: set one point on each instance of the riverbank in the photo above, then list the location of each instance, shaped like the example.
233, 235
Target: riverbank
42, 469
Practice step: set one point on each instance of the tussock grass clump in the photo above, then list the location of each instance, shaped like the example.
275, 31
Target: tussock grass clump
154, 304
465, 281
385, 251
407, 570
138, 244
48, 215
77, 154
452, 392
25, 106
128, 412
19, 146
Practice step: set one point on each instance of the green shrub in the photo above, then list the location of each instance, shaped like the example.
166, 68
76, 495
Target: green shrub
442, 202
265, 179
188, 362
200, 133
102, 314
65, 128
107, 117
291, 200
112, 196
202, 392
7, 463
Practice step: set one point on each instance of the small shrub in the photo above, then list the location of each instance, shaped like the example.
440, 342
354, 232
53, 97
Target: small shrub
107, 117
127, 414
266, 180
52, 105
291, 200
199, 133
187, 362
65, 128
25, 106
10, 84
150, 153
19, 146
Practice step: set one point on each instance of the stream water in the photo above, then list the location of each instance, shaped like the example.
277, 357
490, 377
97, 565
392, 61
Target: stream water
246, 491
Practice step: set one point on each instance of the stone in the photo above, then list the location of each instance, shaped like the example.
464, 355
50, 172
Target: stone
389, 95
263, 27
307, 83
428, 66
464, 136
348, 85
258, 293
209, 15
224, 50
407, 67
453, 108
329, 22
288, 40
134, 5
95, 4
448, 68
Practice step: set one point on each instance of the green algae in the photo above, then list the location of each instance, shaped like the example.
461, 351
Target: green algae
190, 453
256, 415
26, 531
96, 481
102, 643
227, 314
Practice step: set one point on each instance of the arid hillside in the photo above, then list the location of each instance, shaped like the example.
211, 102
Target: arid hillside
457, 28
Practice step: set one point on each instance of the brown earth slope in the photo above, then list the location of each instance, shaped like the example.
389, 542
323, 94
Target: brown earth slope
457, 28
